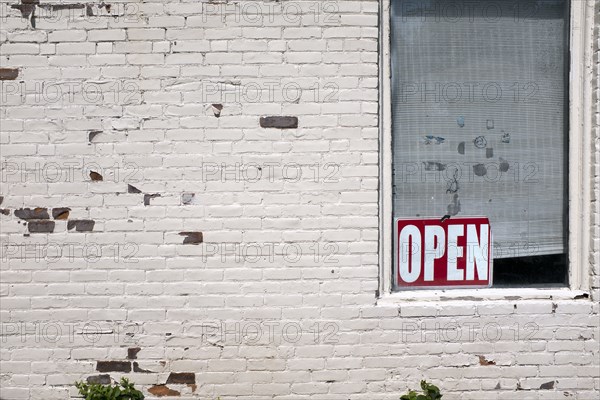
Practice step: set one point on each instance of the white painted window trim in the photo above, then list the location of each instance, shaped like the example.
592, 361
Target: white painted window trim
580, 158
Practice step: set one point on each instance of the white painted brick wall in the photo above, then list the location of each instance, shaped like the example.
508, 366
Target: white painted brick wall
126, 90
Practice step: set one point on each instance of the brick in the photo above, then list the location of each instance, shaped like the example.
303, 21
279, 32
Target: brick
279, 122
29, 214
162, 391
40, 226
8, 74
81, 225
99, 379
113, 366
61, 213
182, 378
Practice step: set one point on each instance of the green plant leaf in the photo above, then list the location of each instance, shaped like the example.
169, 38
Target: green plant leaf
430, 392
124, 391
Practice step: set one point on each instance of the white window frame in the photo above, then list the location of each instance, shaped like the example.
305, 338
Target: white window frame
580, 183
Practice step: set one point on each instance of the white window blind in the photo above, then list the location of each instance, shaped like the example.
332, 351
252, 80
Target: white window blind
479, 117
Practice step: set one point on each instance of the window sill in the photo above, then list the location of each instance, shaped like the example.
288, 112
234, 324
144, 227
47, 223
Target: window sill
509, 294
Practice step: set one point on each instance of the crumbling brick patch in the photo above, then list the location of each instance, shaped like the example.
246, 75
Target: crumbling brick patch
8, 74
28, 213
182, 378
40, 226
132, 352
60, 7
217, 108
61, 213
484, 362
547, 386
187, 198
192, 237
137, 368
96, 176
133, 189
27, 8
113, 366
4, 211
148, 197
105, 6
103, 379
163, 391
81, 225
92, 135
279, 122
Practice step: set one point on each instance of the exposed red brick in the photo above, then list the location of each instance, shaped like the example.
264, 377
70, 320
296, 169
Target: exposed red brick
96, 176
182, 378
279, 122
8, 74
547, 386
484, 362
61, 213
28, 213
82, 225
137, 368
163, 391
42, 226
132, 352
113, 366
192, 237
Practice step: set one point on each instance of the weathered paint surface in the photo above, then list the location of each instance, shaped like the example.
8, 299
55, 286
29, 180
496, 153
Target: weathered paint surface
124, 272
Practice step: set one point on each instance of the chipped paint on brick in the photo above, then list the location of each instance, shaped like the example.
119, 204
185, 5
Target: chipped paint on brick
92, 135
136, 368
8, 74
133, 189
148, 197
217, 108
182, 378
547, 386
132, 352
103, 379
61, 213
35, 226
81, 225
187, 198
113, 366
94, 176
60, 7
28, 213
279, 122
163, 391
483, 361
192, 237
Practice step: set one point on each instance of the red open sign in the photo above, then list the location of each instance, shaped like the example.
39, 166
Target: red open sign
454, 253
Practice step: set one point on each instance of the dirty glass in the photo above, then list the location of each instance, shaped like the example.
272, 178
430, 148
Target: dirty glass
479, 97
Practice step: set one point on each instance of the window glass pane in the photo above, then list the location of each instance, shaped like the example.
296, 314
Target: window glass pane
479, 118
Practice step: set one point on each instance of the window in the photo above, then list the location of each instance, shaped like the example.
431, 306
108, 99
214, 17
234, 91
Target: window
478, 125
